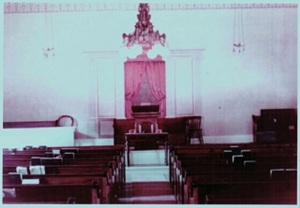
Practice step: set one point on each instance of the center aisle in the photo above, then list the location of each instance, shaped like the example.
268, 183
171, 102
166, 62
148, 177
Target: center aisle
147, 185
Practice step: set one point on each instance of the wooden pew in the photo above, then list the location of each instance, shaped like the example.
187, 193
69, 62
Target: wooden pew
58, 161
112, 165
106, 162
251, 192
77, 149
107, 182
202, 177
230, 173
65, 169
52, 194
66, 179
116, 151
194, 162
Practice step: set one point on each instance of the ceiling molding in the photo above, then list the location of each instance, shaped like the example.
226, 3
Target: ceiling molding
14, 7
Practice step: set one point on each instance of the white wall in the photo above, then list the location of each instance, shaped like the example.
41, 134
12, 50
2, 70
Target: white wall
227, 88
19, 138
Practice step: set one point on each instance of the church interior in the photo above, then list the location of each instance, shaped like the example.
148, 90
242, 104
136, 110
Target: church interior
149, 103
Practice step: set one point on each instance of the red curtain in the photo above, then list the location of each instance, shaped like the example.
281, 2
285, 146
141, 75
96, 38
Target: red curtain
156, 78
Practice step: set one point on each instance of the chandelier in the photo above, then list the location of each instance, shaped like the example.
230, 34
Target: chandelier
238, 32
144, 40
49, 50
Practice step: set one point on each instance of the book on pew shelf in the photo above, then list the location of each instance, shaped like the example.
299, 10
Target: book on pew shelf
290, 169
37, 170
9, 193
42, 147
22, 170
234, 146
249, 162
36, 161
28, 147
69, 155
31, 181
56, 151
275, 170
15, 177
237, 158
283, 170
51, 161
245, 151
249, 165
74, 150
49, 154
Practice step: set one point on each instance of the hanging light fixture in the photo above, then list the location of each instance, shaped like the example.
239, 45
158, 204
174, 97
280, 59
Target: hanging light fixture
144, 37
48, 51
238, 32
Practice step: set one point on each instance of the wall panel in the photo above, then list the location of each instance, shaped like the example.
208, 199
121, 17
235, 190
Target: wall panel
106, 88
183, 86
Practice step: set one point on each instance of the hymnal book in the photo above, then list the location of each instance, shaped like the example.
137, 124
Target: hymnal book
15, 178
31, 181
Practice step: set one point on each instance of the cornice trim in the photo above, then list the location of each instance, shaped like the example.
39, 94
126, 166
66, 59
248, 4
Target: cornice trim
12, 7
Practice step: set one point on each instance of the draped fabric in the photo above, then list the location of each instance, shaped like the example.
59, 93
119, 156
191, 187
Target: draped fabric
155, 76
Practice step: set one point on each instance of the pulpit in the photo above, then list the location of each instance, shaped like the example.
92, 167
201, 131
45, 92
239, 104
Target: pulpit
145, 118
145, 134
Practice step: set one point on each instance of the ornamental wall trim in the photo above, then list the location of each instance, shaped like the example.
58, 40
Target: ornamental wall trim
15, 7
